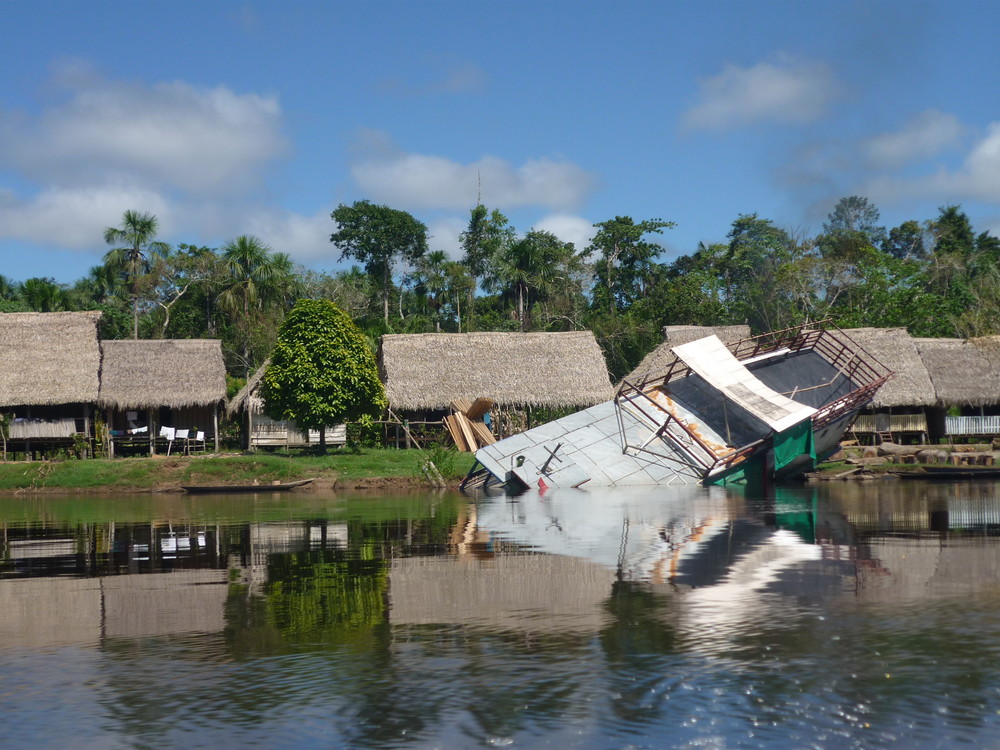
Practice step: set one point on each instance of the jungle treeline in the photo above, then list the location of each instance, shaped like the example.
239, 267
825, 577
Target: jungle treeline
934, 277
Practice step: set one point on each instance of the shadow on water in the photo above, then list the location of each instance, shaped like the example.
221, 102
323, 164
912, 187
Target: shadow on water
830, 615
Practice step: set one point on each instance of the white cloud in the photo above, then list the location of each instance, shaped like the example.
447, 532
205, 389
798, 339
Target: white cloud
978, 178
785, 91
924, 136
195, 139
305, 238
420, 181
444, 234
569, 228
75, 218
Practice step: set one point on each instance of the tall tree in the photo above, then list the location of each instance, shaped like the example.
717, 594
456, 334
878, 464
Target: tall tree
626, 258
486, 239
761, 274
527, 270
133, 245
856, 215
432, 283
908, 240
378, 236
175, 274
321, 371
953, 233
258, 278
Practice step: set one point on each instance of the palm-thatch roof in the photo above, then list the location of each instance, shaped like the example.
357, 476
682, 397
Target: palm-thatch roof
989, 347
49, 358
896, 349
555, 370
961, 372
162, 372
659, 360
249, 398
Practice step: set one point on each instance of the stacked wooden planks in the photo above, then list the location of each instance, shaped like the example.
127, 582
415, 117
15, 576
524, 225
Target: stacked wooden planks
466, 426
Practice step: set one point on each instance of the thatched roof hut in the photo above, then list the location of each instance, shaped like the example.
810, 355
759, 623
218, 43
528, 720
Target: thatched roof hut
961, 372
248, 399
554, 370
896, 349
49, 358
175, 373
989, 347
658, 360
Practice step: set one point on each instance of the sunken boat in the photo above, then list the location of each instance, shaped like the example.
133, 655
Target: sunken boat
754, 410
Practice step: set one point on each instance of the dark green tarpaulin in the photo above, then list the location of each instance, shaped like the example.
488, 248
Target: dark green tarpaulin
750, 472
794, 442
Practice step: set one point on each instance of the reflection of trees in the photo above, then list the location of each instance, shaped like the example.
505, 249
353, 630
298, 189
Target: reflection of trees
636, 640
324, 595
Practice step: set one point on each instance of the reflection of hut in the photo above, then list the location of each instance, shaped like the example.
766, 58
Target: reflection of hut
177, 384
900, 405
965, 379
535, 594
49, 366
260, 431
658, 360
424, 373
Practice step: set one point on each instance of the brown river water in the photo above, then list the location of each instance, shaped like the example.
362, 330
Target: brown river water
823, 616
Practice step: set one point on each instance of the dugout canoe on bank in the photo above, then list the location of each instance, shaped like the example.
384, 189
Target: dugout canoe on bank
223, 489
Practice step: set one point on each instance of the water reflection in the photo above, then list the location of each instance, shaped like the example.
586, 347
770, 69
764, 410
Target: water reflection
827, 616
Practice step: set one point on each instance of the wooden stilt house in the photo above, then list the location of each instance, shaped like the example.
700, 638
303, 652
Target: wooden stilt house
967, 385
49, 366
901, 406
162, 394
260, 431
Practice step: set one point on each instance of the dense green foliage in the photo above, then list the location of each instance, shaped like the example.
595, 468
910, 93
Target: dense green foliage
935, 277
378, 236
321, 370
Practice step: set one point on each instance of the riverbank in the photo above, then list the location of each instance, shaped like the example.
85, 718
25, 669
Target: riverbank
365, 469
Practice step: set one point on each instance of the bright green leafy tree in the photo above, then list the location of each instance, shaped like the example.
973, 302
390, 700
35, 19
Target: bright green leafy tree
321, 370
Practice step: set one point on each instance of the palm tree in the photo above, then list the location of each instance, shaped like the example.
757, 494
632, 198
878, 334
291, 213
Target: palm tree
432, 282
133, 254
44, 295
257, 277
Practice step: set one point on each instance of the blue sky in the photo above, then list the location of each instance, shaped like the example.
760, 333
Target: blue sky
230, 118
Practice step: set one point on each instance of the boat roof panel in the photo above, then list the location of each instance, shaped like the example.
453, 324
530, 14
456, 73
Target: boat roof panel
709, 358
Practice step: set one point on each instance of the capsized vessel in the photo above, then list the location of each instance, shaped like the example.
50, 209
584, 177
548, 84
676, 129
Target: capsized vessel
758, 409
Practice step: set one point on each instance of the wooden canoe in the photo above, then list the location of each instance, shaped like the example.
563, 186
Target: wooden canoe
204, 489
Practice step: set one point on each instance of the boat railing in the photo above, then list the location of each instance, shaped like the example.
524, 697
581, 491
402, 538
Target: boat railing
668, 425
700, 455
846, 404
859, 367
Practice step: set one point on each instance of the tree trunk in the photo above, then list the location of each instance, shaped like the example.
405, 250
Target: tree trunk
385, 296
322, 440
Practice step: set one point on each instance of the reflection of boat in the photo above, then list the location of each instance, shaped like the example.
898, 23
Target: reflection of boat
769, 406
222, 489
687, 536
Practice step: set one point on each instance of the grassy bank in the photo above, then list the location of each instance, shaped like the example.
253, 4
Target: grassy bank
368, 466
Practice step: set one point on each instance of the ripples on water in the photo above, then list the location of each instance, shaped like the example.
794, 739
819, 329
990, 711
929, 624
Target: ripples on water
847, 615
